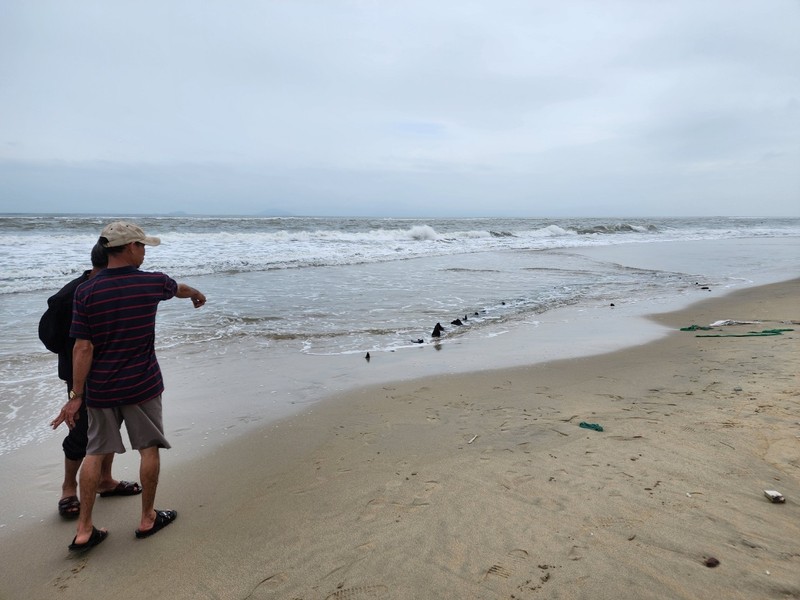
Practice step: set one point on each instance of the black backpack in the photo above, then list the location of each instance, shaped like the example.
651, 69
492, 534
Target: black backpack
55, 322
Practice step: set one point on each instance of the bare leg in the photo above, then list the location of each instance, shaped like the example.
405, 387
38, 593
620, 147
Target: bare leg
70, 485
74, 446
107, 482
90, 476
149, 467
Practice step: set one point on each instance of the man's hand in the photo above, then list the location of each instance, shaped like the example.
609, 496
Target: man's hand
198, 299
69, 414
187, 291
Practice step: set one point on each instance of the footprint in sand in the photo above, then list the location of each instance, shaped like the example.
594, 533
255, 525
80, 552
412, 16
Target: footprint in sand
432, 415
514, 561
62, 581
514, 574
366, 592
406, 495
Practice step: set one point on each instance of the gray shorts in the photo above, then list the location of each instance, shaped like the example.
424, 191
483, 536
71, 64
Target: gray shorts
143, 422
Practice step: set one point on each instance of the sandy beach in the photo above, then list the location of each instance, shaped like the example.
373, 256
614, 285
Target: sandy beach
485, 485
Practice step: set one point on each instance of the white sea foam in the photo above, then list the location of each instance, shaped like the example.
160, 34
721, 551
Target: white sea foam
39, 253
346, 286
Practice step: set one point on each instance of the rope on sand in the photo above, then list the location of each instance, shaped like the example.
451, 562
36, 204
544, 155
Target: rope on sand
763, 333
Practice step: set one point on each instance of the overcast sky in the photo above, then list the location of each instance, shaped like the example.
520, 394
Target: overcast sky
401, 108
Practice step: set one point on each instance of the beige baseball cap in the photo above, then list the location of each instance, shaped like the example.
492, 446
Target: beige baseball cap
120, 233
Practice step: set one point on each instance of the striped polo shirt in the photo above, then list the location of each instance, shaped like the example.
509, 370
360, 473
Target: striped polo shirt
116, 311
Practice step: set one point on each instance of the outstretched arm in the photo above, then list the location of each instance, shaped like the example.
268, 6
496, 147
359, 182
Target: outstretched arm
187, 291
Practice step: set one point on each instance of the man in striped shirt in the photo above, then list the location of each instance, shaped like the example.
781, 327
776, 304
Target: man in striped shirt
54, 329
114, 355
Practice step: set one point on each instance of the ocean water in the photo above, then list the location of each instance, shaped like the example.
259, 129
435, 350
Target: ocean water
336, 287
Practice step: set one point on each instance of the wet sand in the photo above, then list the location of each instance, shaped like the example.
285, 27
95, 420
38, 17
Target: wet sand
483, 485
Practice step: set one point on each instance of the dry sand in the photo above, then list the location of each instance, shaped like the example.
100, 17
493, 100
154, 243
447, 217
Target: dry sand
484, 486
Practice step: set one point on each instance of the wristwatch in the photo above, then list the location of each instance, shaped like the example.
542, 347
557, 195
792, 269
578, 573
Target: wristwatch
73, 394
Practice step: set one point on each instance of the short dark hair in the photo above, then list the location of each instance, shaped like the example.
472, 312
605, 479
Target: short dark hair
113, 250
99, 256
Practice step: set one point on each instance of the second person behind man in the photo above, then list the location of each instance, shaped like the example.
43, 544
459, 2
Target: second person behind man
114, 326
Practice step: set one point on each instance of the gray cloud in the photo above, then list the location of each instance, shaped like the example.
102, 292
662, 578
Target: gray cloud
349, 107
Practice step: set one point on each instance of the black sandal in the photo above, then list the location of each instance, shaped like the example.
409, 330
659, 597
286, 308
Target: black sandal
163, 518
69, 507
96, 537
